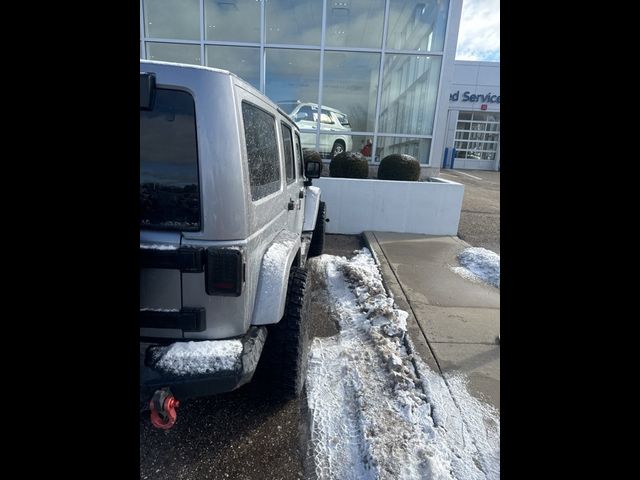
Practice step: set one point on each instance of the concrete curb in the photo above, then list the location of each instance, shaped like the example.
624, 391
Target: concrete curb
415, 338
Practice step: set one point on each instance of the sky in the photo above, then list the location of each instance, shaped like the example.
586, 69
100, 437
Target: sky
479, 37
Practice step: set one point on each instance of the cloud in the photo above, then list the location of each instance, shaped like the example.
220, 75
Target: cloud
479, 37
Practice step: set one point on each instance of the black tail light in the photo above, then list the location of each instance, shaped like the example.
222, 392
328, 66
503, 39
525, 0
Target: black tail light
224, 272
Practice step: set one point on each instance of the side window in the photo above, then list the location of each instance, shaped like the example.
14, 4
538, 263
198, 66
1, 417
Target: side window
287, 143
326, 117
307, 111
300, 157
262, 151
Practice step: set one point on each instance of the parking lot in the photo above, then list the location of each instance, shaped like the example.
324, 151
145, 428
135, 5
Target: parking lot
480, 216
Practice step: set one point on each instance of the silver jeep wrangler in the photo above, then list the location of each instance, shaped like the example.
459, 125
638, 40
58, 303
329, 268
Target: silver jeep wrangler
227, 221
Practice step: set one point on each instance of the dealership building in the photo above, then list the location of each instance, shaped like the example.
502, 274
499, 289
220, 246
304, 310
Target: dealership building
383, 71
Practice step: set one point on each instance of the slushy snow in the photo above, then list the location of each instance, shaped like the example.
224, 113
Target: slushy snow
479, 264
193, 358
157, 246
377, 411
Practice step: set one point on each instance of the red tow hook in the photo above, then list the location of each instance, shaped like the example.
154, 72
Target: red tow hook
163, 409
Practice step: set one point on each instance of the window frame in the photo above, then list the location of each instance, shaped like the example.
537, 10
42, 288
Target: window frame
200, 224
288, 180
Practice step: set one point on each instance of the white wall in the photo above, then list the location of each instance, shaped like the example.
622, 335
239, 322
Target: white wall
355, 206
477, 78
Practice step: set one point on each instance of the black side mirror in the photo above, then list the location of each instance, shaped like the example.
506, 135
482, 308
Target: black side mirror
147, 90
313, 169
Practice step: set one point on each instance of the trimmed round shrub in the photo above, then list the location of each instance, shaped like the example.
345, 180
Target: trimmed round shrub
311, 155
349, 165
399, 166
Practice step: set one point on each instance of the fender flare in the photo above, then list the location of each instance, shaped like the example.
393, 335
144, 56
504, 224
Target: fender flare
274, 278
311, 206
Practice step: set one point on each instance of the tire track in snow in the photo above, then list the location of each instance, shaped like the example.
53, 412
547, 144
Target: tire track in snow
369, 418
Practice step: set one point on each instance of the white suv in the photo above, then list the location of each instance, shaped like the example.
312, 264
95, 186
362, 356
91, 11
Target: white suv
333, 128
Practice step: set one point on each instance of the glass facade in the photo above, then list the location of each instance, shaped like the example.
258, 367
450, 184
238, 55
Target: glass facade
367, 81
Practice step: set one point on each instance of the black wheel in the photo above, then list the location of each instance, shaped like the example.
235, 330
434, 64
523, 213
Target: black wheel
285, 351
338, 148
317, 240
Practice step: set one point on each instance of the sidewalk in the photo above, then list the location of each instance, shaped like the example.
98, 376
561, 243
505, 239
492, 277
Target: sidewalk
453, 322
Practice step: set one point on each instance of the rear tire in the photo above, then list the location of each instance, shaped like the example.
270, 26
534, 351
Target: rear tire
338, 148
286, 348
317, 240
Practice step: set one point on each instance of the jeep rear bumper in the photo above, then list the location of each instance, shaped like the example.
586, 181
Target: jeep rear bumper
223, 376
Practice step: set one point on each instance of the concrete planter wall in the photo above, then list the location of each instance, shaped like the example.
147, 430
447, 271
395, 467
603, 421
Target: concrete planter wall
355, 205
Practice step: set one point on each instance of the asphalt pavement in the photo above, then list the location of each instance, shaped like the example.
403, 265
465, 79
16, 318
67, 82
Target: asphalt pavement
480, 215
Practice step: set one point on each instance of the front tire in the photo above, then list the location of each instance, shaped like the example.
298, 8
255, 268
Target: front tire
287, 343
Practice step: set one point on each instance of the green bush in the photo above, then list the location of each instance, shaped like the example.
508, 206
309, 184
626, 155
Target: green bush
399, 167
311, 155
349, 165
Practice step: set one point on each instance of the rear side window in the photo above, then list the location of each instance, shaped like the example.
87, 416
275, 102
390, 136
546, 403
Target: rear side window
169, 186
262, 151
299, 151
288, 153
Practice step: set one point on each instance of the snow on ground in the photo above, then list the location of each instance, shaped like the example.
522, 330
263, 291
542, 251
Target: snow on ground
193, 358
479, 264
372, 415
154, 246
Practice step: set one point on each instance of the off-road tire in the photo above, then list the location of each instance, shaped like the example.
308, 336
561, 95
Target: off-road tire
338, 148
287, 345
317, 240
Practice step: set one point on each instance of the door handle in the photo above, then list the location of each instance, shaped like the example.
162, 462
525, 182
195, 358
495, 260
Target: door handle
290, 205
301, 193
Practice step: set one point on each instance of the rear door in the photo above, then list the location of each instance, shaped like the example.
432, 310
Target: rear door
294, 189
169, 205
297, 146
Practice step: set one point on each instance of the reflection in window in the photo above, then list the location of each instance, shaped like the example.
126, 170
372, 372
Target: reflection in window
172, 19
417, 25
355, 23
169, 186
174, 52
351, 86
292, 77
262, 151
296, 22
362, 144
243, 61
331, 144
416, 147
325, 117
232, 20
409, 94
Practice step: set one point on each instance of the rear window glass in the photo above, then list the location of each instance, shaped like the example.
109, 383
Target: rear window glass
169, 186
300, 156
262, 151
